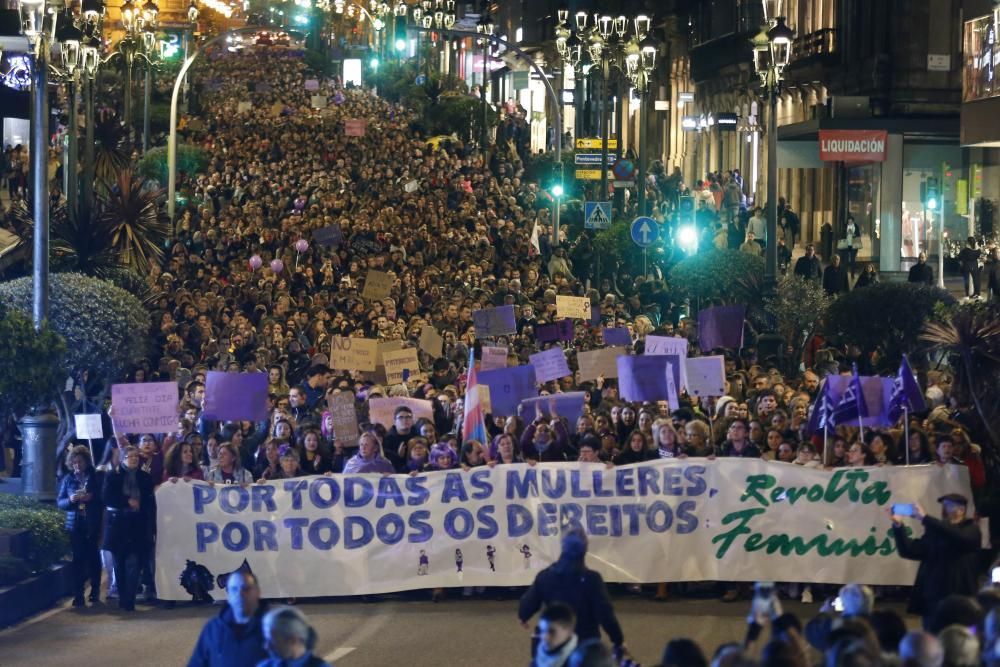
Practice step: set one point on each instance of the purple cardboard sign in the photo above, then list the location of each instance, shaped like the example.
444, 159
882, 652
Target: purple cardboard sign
312, 84
721, 327
494, 321
568, 405
644, 378
550, 364
144, 407
508, 387
547, 333
617, 336
235, 396
331, 235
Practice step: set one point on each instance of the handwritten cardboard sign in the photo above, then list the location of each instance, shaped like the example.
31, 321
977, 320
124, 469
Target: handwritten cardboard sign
599, 363
573, 307
706, 376
550, 364
345, 417
493, 357
561, 330
494, 321
89, 427
385, 346
380, 409
399, 361
508, 387
378, 285
353, 354
145, 407
431, 341
669, 345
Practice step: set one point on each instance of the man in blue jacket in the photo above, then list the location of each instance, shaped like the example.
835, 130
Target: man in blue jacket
234, 637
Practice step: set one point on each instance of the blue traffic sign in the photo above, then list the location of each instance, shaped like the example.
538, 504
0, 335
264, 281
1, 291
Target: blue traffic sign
597, 215
592, 158
645, 231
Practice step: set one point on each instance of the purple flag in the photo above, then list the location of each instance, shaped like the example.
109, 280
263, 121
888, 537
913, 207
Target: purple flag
235, 396
905, 393
827, 399
508, 387
721, 326
617, 336
547, 333
568, 405
494, 321
852, 407
644, 378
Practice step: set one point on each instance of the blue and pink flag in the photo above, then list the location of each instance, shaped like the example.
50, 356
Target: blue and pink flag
474, 419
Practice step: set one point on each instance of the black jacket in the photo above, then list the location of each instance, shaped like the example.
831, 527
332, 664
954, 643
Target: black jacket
948, 555
571, 583
835, 280
921, 273
126, 530
808, 267
89, 520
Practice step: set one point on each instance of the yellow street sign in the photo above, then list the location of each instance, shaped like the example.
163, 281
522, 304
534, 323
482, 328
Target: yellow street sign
588, 174
595, 143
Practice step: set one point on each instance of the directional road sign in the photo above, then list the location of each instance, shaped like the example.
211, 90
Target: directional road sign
592, 158
597, 215
595, 142
588, 174
645, 231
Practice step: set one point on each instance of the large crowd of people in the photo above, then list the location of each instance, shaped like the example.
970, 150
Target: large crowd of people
458, 230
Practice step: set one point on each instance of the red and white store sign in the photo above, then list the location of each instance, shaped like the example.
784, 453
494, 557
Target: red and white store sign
852, 145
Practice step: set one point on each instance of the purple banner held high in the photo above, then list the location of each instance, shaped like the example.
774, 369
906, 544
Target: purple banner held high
547, 333
235, 396
508, 387
721, 327
618, 336
644, 378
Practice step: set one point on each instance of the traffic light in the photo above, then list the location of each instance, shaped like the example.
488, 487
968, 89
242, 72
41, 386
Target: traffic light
932, 194
399, 35
374, 63
685, 210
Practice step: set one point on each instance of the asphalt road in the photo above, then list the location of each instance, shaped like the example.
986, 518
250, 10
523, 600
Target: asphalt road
392, 630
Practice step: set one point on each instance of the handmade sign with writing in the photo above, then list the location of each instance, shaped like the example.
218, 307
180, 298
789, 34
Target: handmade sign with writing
494, 321
644, 378
378, 285
312, 84
550, 364
599, 363
331, 235
353, 354
562, 330
431, 341
235, 396
89, 427
385, 346
669, 345
144, 407
493, 357
380, 410
508, 387
345, 418
573, 307
706, 376
400, 363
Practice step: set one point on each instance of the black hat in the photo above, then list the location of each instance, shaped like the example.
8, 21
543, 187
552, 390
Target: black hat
954, 498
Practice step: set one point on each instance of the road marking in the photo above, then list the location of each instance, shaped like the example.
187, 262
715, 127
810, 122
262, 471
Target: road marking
339, 653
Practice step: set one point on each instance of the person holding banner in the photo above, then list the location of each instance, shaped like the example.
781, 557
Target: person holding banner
229, 470
948, 552
131, 523
369, 458
80, 497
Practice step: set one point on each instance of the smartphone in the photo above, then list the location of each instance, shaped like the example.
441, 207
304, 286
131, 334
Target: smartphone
995, 575
838, 604
903, 509
763, 598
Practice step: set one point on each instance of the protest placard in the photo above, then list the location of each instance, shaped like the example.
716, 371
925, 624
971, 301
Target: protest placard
89, 427
399, 361
568, 405
644, 378
411, 186
599, 363
431, 341
573, 307
508, 387
277, 108
706, 376
550, 364
617, 336
670, 345
380, 410
317, 101
145, 407
561, 330
235, 396
312, 84
493, 357
494, 321
243, 106
717, 517
355, 127
353, 354
385, 346
378, 285
345, 418
331, 235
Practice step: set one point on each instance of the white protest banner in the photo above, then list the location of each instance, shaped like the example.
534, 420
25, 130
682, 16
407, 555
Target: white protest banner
493, 357
399, 361
668, 520
378, 285
599, 363
353, 354
573, 307
706, 376
550, 364
380, 409
144, 407
89, 427
431, 341
669, 345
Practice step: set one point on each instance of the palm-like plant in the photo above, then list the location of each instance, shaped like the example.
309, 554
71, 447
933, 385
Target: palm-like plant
135, 224
111, 154
970, 339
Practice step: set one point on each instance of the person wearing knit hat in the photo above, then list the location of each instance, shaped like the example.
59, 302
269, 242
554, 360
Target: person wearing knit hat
720, 405
290, 639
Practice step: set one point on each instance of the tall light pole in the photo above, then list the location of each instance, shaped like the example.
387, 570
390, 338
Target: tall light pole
485, 28
772, 50
640, 62
150, 14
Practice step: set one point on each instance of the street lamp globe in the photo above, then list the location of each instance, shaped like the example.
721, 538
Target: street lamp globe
427, 21
772, 10
192, 12
92, 10
449, 21
581, 20
781, 37
91, 56
32, 18
69, 38
400, 45
642, 26
647, 52
605, 23
761, 47
129, 15
150, 12
562, 14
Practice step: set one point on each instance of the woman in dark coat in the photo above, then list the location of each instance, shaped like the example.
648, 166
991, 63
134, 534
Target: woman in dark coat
80, 497
948, 553
128, 534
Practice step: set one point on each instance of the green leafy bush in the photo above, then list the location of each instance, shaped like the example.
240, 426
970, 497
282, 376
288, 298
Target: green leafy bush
49, 542
714, 274
885, 319
30, 362
190, 160
13, 570
104, 327
798, 308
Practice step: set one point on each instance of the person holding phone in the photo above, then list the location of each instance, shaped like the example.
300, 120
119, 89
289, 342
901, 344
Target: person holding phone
947, 552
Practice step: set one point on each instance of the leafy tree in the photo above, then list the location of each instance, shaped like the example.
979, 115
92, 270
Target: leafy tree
191, 160
798, 310
30, 362
884, 321
715, 275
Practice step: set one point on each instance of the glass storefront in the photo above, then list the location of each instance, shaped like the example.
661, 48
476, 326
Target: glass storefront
863, 190
932, 168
